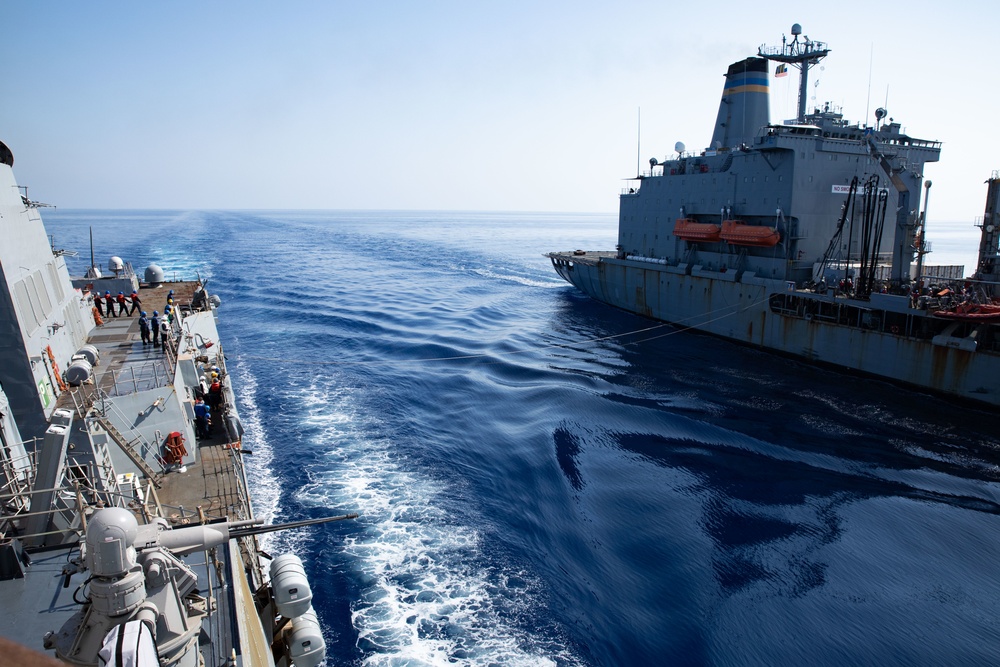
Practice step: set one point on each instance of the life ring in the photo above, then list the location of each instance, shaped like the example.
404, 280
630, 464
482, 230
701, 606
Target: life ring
55, 368
894, 329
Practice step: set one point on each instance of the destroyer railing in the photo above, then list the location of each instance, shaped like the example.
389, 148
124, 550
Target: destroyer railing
151, 374
14, 489
88, 499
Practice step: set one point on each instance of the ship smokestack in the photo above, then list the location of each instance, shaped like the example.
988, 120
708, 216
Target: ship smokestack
744, 107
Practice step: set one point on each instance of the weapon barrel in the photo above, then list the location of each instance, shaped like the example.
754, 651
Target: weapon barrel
259, 530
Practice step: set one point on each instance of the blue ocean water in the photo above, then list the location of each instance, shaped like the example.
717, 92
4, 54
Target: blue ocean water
545, 480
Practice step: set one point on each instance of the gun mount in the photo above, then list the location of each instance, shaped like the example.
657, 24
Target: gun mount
137, 573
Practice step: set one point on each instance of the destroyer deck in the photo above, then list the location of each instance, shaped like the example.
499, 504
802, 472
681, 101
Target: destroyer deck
208, 485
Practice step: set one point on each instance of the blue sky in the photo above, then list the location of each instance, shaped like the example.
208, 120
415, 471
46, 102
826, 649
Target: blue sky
450, 105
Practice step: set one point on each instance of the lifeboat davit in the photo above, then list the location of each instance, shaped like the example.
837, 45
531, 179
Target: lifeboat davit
689, 230
971, 312
740, 233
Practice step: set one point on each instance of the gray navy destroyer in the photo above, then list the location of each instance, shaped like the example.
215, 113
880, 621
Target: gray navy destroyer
125, 539
805, 238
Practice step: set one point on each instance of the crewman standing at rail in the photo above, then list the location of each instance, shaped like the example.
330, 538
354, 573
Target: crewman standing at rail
144, 328
154, 325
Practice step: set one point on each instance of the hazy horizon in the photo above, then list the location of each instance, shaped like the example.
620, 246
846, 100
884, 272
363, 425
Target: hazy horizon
447, 107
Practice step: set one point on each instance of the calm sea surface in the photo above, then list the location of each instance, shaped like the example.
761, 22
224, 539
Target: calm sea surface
544, 480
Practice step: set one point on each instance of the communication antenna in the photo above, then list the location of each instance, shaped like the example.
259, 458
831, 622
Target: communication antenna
638, 142
802, 54
871, 61
93, 272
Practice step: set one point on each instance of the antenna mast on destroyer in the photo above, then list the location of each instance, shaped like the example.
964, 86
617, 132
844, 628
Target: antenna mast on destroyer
802, 54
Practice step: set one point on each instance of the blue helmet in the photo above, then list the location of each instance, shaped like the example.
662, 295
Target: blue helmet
107, 292
156, 312
121, 293
144, 313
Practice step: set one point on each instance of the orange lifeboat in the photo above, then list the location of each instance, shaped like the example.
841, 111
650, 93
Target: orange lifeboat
740, 233
972, 312
689, 230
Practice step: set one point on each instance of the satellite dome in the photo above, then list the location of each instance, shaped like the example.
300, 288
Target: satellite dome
116, 264
796, 29
154, 274
679, 147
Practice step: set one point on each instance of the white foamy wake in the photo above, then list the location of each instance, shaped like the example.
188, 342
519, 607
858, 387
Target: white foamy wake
506, 274
424, 600
490, 274
265, 492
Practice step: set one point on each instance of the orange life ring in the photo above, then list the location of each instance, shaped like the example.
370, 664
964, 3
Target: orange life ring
894, 329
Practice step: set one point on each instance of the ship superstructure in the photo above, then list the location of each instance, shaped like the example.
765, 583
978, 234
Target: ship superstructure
800, 237
43, 320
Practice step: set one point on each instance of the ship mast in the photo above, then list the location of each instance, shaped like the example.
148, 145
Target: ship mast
798, 53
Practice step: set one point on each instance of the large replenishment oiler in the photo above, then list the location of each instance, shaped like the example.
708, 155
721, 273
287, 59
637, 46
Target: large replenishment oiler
125, 538
805, 238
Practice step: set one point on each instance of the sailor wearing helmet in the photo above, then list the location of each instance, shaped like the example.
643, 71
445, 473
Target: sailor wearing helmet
109, 304
154, 325
136, 303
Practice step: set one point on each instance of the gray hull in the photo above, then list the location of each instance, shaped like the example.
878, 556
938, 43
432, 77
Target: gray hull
882, 337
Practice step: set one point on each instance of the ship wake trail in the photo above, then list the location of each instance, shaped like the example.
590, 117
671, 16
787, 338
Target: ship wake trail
260, 466
427, 592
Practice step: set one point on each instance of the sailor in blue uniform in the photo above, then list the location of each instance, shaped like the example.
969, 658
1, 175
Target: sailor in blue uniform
144, 328
154, 325
202, 419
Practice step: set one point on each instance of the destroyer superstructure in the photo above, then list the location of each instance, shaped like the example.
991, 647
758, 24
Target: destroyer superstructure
801, 237
116, 520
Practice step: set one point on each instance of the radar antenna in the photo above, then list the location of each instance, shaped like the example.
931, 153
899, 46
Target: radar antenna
803, 54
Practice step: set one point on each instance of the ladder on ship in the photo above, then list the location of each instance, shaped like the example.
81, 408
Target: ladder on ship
128, 447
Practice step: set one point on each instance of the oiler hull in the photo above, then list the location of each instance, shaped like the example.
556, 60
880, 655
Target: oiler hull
882, 337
